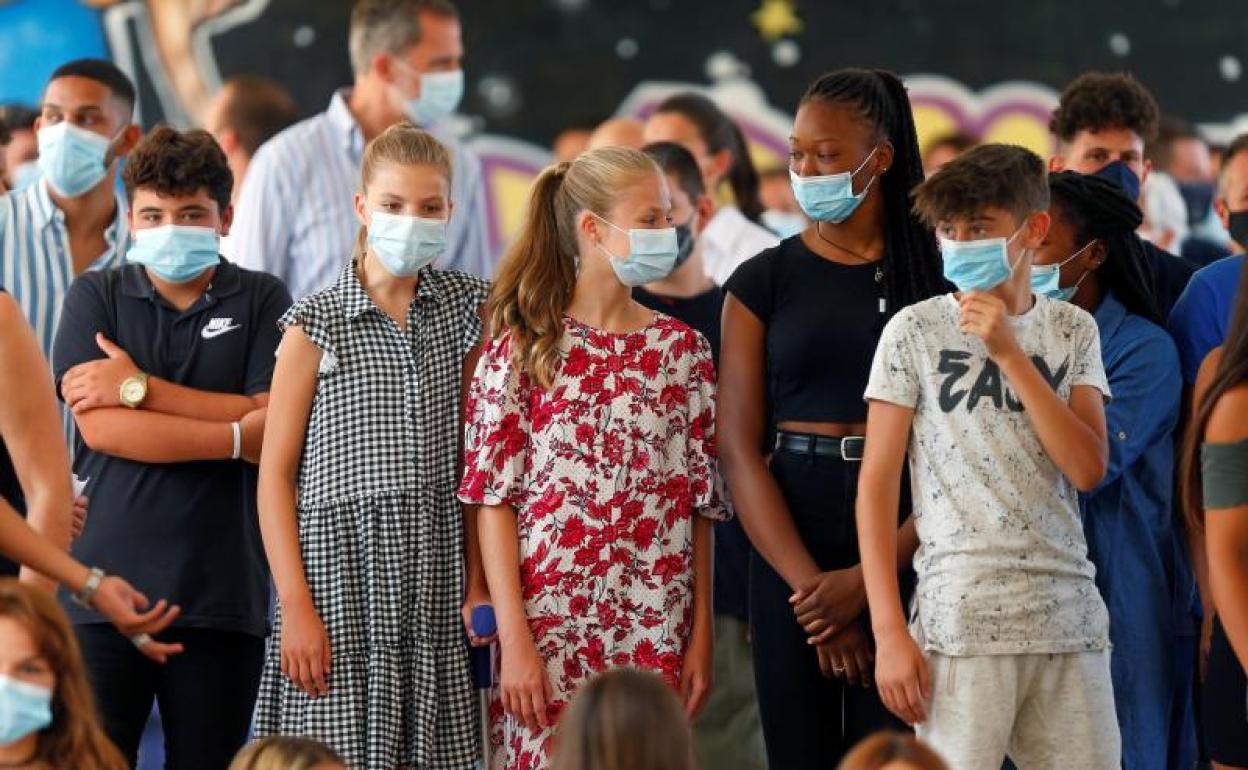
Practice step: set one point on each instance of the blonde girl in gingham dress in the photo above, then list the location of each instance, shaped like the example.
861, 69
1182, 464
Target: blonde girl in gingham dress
357, 486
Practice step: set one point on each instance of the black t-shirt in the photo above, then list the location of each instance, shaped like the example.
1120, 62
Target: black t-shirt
186, 532
1169, 275
732, 548
701, 312
823, 321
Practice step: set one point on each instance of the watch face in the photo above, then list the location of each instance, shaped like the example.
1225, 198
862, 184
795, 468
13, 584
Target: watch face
133, 391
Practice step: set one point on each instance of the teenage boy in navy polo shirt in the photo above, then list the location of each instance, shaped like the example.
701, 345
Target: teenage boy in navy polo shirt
166, 363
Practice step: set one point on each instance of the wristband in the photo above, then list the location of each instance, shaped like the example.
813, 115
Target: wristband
238, 441
94, 578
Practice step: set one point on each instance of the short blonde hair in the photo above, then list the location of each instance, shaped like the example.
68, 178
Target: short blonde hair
284, 752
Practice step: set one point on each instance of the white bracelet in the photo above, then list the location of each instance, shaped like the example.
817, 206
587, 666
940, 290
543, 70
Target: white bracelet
238, 441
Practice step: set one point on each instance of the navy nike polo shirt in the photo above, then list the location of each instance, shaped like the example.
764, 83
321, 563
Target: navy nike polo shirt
186, 532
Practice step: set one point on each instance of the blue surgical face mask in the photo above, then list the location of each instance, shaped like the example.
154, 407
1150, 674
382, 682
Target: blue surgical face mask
405, 245
978, 265
784, 223
651, 255
440, 93
74, 160
25, 708
1120, 174
830, 198
175, 253
1046, 279
25, 175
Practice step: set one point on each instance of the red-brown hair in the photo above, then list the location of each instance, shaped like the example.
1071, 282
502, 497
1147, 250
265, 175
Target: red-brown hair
882, 748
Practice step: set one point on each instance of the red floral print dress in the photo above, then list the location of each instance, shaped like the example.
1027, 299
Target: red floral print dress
606, 470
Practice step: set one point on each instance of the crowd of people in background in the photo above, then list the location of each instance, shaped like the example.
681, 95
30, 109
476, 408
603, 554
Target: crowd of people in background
888, 458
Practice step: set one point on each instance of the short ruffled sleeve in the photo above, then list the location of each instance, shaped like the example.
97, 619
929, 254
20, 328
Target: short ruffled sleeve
703, 456
310, 315
496, 434
477, 292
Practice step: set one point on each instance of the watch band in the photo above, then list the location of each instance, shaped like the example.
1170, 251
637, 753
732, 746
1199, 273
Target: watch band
83, 597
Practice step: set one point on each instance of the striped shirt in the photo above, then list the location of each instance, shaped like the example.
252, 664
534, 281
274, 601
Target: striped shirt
296, 218
36, 267
35, 264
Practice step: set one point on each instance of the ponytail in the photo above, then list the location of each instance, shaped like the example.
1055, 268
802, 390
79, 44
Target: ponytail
719, 132
535, 282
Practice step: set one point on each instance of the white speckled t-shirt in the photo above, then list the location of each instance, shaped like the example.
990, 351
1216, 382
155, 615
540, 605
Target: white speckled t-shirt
1002, 562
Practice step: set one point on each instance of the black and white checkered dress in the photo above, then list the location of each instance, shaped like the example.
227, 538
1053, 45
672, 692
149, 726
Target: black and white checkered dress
380, 529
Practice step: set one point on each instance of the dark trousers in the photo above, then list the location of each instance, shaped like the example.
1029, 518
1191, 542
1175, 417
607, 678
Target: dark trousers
809, 721
205, 695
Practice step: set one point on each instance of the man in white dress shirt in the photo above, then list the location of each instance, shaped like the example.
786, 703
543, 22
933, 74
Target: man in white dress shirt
295, 216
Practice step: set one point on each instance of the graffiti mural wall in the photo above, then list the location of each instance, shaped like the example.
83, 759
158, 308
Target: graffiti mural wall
537, 66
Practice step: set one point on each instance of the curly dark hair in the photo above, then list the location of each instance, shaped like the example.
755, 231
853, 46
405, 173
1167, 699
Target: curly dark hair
173, 162
1099, 100
1003, 176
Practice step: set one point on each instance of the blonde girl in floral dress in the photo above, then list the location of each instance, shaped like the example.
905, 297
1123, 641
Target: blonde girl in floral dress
590, 451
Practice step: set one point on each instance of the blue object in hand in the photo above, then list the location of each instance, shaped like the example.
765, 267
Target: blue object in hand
483, 624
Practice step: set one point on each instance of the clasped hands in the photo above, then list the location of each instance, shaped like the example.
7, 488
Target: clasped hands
829, 608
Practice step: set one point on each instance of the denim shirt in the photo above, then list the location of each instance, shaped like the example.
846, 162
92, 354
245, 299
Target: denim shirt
1129, 521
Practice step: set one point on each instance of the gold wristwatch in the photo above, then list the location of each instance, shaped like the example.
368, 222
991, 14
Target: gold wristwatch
133, 390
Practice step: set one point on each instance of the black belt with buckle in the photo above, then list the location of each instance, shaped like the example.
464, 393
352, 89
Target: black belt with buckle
847, 448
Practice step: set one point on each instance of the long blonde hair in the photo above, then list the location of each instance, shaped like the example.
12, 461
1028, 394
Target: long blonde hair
538, 274
878, 750
407, 145
624, 719
285, 752
74, 739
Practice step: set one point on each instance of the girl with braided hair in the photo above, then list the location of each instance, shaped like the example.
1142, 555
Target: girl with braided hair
801, 323
1093, 258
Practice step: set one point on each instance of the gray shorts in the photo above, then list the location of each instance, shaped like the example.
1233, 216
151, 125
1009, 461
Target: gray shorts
1045, 711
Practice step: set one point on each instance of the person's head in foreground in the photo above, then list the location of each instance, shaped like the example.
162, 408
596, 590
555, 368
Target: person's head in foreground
287, 752
624, 720
892, 751
989, 208
47, 713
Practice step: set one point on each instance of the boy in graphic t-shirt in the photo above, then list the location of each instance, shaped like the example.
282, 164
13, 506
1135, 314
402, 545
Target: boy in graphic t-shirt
998, 394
